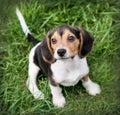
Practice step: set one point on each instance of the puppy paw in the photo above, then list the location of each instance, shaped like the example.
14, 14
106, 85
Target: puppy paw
93, 89
38, 95
59, 102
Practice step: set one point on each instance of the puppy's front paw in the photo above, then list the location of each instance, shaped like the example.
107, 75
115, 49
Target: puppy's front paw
93, 89
59, 102
38, 95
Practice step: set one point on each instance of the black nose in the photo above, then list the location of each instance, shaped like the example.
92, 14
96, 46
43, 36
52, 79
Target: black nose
61, 52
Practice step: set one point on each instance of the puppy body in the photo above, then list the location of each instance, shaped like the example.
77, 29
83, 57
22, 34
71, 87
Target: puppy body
69, 72
62, 57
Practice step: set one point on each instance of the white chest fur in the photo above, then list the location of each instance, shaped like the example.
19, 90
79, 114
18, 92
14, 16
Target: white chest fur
69, 71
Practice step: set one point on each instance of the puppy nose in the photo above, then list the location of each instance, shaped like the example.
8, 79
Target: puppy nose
61, 52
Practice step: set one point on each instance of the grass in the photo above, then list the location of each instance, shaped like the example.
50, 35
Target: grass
99, 18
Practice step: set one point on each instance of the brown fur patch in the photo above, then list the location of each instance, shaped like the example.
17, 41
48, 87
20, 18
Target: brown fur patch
85, 78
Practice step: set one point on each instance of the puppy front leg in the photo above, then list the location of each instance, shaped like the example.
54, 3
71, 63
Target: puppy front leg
57, 96
91, 87
31, 81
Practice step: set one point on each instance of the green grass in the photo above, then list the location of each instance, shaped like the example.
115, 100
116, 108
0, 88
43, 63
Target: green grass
99, 18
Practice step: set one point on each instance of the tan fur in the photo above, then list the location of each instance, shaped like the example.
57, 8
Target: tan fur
85, 78
81, 43
49, 45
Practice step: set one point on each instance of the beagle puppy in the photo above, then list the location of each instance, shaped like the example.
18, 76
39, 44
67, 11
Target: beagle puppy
62, 57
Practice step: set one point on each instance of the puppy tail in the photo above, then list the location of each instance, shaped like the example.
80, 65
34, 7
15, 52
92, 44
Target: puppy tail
25, 28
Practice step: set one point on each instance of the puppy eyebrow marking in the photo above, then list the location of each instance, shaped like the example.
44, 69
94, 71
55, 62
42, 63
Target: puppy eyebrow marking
75, 32
51, 34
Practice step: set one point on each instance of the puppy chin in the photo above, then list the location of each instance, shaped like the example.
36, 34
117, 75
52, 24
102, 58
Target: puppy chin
61, 58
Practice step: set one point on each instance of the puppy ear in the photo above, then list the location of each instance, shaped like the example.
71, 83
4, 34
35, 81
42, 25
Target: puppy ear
86, 42
46, 50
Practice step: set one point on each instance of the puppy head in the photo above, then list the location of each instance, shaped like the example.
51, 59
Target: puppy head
65, 42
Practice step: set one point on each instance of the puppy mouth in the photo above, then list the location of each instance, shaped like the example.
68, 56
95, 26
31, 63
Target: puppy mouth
65, 58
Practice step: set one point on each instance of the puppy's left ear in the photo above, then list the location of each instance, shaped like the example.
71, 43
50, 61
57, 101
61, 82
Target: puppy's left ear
46, 50
86, 42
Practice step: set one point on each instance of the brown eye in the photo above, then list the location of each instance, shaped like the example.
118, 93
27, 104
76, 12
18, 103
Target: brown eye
71, 38
54, 41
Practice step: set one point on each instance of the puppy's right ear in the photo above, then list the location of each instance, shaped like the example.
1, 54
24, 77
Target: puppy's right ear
46, 50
